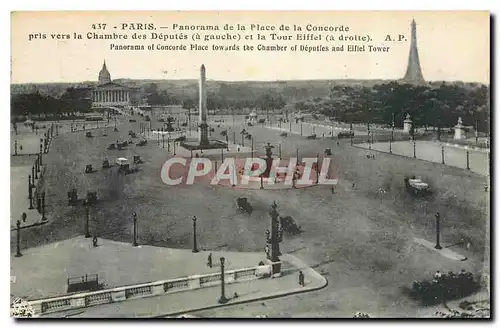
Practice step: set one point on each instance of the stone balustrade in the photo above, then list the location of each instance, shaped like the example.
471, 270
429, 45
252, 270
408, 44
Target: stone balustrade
118, 294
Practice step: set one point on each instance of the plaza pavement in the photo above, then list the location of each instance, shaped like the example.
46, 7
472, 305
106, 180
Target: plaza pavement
318, 244
431, 152
19, 201
445, 251
42, 272
171, 305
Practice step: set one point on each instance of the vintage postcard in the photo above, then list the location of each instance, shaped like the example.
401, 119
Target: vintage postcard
250, 164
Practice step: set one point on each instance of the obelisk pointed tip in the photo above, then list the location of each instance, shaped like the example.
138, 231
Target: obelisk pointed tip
202, 66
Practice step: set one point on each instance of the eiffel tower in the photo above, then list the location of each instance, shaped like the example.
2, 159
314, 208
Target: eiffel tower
413, 72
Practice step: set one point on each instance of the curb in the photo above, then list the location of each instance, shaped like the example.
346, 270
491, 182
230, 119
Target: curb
284, 294
421, 159
277, 295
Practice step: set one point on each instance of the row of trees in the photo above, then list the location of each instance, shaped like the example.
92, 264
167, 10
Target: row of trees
42, 106
266, 102
427, 106
437, 105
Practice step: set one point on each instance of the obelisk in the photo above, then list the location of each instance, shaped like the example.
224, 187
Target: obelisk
413, 71
203, 126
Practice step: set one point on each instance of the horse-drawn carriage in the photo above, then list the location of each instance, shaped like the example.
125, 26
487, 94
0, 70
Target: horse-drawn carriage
105, 164
141, 143
289, 226
89, 134
312, 136
121, 145
91, 197
72, 197
345, 134
244, 205
88, 168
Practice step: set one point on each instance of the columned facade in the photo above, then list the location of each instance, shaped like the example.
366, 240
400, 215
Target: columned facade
111, 96
108, 93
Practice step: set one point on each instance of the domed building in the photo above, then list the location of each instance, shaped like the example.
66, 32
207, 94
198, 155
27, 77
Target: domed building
104, 76
108, 93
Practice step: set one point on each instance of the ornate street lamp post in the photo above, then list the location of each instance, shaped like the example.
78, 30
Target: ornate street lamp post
251, 151
438, 221
44, 218
195, 247
222, 299
87, 218
135, 230
30, 192
317, 168
18, 238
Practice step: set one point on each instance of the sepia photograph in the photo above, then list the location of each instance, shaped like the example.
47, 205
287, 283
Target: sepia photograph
250, 164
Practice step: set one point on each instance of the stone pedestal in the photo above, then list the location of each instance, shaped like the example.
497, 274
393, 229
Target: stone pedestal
407, 124
459, 130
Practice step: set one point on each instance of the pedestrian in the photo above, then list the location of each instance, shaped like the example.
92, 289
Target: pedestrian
20, 147
301, 279
437, 275
94, 241
333, 190
209, 261
267, 250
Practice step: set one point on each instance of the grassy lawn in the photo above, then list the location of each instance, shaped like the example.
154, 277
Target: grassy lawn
361, 239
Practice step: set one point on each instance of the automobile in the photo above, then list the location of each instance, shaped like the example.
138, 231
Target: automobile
416, 186
345, 134
121, 161
180, 139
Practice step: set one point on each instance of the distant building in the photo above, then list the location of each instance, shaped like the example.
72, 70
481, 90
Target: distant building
108, 93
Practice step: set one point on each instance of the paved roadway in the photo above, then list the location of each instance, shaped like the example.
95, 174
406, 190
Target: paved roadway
361, 239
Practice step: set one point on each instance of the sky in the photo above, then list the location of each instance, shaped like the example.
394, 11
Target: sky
452, 46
